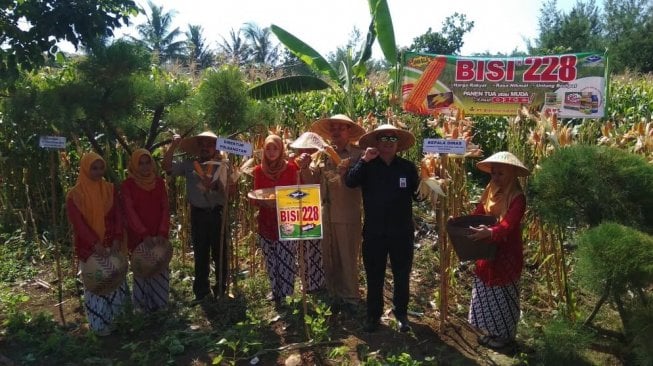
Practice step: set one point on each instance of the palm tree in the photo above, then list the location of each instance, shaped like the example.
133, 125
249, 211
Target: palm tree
263, 51
237, 51
196, 43
156, 37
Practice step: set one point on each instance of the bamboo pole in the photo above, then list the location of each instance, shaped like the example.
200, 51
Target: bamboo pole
57, 249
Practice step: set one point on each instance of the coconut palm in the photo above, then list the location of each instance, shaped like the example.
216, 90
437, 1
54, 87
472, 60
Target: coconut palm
196, 44
263, 51
156, 34
236, 50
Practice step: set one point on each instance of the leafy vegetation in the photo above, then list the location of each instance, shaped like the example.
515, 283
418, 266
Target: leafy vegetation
618, 187
132, 94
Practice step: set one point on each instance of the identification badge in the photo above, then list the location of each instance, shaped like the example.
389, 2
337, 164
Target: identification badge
402, 182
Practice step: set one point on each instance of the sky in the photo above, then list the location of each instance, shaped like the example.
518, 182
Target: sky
500, 26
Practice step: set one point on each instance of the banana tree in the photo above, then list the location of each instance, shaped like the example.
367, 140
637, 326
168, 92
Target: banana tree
350, 69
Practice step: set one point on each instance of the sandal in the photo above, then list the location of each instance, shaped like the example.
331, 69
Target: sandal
483, 340
498, 342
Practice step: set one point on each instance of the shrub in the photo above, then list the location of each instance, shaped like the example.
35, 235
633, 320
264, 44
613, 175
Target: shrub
563, 343
641, 326
586, 185
614, 258
615, 261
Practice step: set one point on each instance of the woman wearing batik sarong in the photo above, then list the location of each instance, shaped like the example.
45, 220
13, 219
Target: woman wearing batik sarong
494, 306
280, 256
145, 201
94, 213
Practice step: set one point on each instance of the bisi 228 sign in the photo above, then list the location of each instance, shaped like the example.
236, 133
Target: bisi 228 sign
571, 85
299, 212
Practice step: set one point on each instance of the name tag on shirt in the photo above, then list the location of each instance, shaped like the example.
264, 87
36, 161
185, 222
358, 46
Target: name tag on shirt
402, 183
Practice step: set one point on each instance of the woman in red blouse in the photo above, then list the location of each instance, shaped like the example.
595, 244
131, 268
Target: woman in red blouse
94, 213
145, 201
494, 306
280, 256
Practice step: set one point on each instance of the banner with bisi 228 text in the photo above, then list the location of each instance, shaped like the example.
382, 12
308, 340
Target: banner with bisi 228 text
570, 85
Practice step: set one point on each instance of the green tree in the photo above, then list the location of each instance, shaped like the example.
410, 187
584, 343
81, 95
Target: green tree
157, 37
196, 44
29, 30
628, 29
448, 41
578, 31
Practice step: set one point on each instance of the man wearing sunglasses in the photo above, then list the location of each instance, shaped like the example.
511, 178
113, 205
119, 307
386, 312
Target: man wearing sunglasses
388, 183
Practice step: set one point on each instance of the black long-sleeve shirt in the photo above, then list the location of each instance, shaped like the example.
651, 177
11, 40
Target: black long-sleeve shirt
388, 192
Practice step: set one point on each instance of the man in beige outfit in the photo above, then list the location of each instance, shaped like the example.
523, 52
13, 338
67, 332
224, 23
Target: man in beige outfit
341, 208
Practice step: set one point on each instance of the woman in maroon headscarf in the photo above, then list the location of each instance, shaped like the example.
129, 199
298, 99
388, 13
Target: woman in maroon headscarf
280, 256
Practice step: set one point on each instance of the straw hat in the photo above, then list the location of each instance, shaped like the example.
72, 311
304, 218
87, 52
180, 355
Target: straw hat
148, 261
321, 127
503, 157
190, 146
309, 140
406, 139
103, 275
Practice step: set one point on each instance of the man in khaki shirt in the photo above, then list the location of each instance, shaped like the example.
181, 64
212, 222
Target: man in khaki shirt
341, 208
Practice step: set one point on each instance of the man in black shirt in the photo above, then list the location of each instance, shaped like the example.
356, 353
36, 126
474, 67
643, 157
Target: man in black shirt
388, 183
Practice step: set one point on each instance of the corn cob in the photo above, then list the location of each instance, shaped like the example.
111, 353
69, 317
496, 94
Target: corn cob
333, 155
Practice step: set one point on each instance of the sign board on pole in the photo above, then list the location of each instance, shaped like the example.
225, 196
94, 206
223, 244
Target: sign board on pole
445, 146
52, 142
299, 212
234, 146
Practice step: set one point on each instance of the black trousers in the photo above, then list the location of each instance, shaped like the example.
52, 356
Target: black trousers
205, 237
376, 250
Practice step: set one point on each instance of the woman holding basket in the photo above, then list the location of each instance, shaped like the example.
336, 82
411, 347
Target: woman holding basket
494, 305
145, 200
94, 213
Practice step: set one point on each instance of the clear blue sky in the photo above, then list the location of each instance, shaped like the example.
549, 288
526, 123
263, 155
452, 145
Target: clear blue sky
500, 25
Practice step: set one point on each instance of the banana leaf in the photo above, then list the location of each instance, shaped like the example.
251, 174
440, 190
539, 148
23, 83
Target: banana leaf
287, 85
360, 70
304, 52
384, 30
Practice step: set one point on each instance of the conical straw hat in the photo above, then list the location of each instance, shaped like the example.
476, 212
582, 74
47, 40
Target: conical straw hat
103, 275
321, 127
146, 261
406, 139
190, 146
503, 157
309, 140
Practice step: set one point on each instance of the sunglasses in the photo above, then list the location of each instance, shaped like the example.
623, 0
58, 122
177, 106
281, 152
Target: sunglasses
388, 138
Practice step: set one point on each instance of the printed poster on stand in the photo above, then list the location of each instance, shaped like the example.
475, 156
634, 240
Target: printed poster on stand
299, 212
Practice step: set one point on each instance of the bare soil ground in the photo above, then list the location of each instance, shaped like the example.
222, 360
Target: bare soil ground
452, 343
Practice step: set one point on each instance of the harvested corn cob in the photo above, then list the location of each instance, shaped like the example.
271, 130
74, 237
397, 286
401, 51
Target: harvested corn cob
332, 154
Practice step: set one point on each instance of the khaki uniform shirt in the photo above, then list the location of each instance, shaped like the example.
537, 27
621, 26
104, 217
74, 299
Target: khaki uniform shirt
340, 204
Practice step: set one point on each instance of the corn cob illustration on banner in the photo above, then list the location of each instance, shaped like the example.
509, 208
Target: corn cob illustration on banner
416, 100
